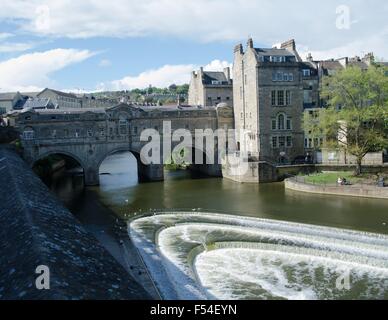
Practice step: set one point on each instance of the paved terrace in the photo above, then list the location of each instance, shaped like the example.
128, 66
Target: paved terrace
37, 230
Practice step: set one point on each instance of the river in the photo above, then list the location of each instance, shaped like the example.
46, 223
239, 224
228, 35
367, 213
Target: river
120, 194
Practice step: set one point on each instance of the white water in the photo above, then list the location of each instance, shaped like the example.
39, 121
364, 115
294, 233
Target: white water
258, 259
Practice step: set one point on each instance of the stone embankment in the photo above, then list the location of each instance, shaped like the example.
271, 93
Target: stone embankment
37, 230
357, 190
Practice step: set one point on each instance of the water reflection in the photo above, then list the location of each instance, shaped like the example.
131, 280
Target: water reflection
120, 193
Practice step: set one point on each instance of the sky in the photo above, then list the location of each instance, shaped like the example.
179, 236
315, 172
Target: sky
91, 45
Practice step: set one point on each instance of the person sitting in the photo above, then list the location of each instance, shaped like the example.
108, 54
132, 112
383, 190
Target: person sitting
339, 181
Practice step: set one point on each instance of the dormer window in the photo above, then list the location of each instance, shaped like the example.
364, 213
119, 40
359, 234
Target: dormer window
278, 59
306, 72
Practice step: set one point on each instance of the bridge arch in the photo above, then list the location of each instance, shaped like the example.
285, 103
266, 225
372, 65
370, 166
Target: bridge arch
44, 170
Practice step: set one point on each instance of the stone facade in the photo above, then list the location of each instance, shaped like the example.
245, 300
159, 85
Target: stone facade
210, 88
268, 102
90, 135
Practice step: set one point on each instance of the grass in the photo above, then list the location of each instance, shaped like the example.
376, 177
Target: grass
332, 177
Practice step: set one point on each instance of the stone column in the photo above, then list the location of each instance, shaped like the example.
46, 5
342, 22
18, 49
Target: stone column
151, 172
91, 177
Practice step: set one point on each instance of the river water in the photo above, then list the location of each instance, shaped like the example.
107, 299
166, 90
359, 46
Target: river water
257, 269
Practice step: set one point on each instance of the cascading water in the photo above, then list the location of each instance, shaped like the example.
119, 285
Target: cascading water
204, 255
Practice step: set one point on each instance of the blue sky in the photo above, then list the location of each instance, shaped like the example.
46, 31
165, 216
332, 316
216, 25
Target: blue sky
121, 44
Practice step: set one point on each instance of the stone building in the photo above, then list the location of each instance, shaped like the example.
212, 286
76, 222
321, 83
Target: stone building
268, 100
10, 101
62, 99
209, 88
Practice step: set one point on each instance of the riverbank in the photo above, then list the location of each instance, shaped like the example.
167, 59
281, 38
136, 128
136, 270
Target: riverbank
361, 190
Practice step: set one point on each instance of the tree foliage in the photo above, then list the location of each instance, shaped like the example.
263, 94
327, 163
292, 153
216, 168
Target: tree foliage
356, 116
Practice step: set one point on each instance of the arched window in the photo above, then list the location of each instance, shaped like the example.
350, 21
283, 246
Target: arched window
281, 120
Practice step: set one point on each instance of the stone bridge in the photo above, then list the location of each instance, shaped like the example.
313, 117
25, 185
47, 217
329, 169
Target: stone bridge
90, 135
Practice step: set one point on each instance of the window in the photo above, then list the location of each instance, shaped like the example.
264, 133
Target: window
306, 72
279, 76
102, 132
285, 77
289, 141
291, 77
281, 121
280, 98
123, 127
77, 133
288, 98
282, 141
227, 98
305, 142
274, 142
89, 133
218, 98
273, 124
288, 124
273, 98
28, 134
54, 133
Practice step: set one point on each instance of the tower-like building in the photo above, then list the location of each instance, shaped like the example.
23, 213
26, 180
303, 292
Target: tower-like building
268, 102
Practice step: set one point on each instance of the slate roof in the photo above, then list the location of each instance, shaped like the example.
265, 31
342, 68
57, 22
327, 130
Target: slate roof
60, 93
37, 103
273, 52
7, 96
209, 76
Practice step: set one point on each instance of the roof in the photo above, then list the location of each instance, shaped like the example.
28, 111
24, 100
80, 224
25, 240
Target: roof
174, 108
273, 52
60, 93
7, 96
361, 64
37, 103
209, 76
331, 65
70, 111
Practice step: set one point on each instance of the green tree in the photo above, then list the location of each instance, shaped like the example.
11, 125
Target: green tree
357, 111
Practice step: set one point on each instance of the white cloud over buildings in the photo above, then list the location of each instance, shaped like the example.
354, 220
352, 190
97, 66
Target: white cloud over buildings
31, 72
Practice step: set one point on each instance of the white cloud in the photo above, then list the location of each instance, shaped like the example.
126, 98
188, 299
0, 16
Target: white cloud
105, 63
31, 72
5, 35
161, 77
311, 22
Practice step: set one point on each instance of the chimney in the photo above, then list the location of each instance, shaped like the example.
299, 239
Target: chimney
201, 71
369, 58
289, 45
250, 43
309, 58
238, 49
227, 73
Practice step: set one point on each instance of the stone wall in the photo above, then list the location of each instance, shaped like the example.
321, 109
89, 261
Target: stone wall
37, 230
364, 191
